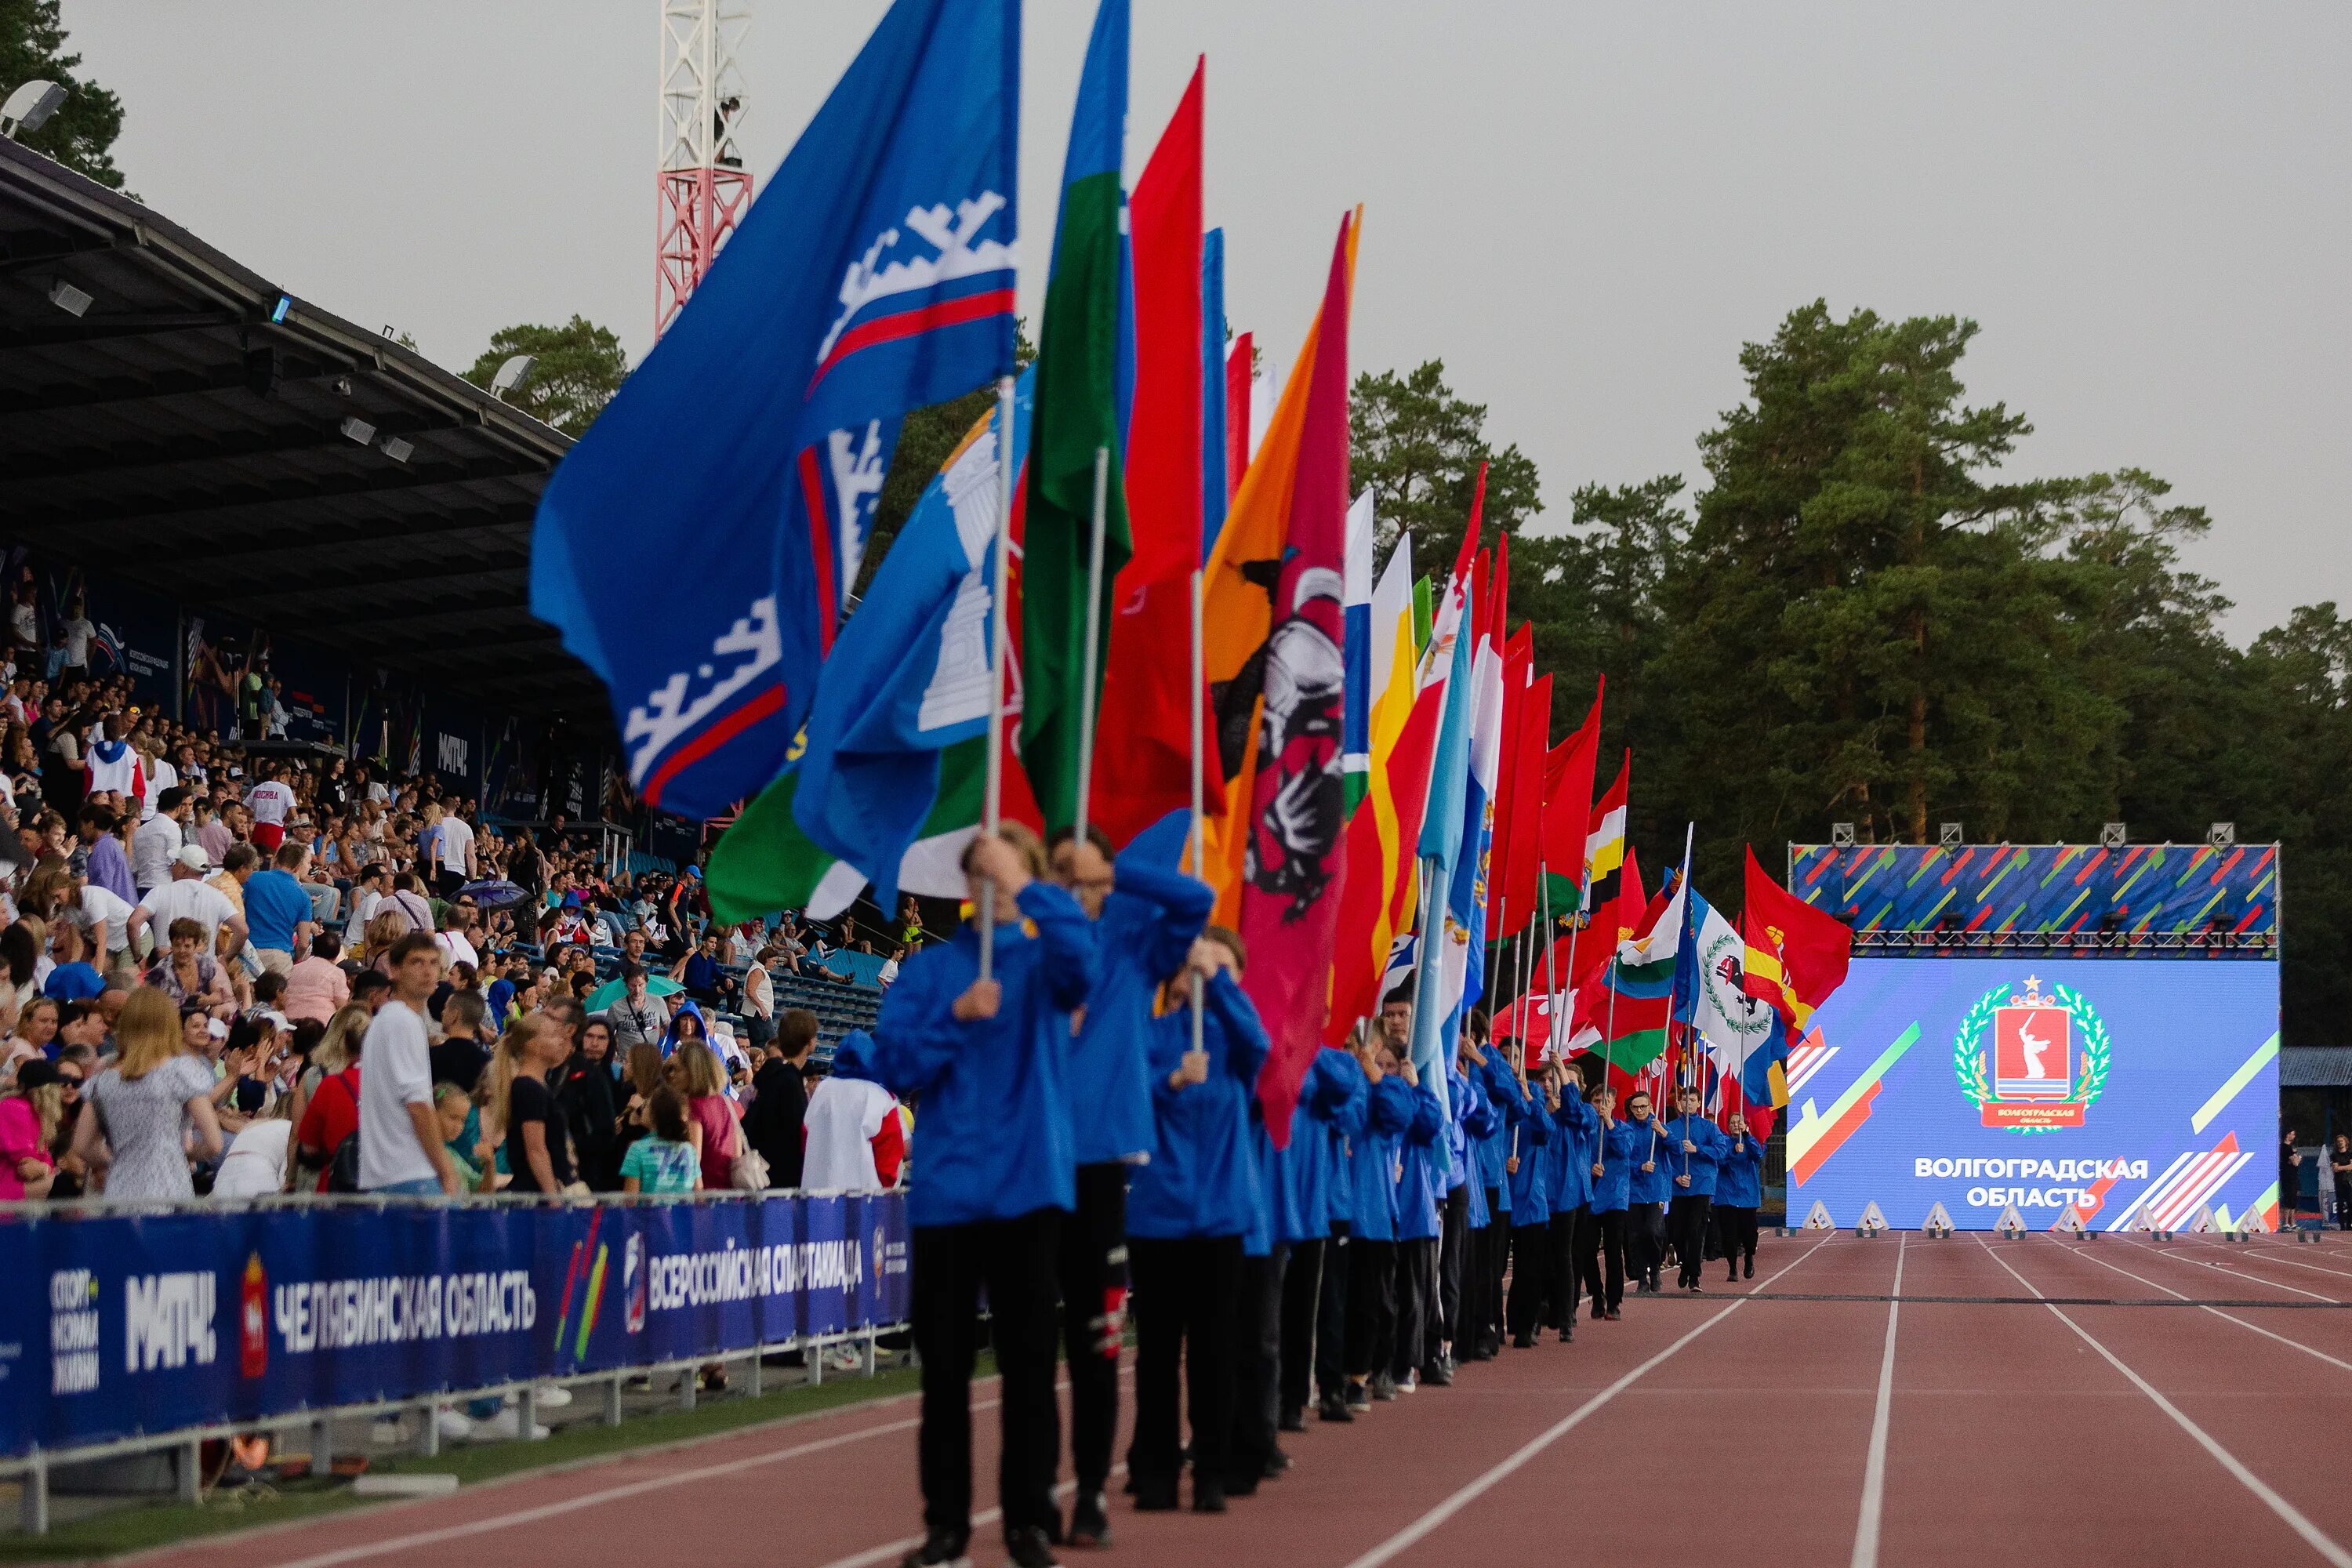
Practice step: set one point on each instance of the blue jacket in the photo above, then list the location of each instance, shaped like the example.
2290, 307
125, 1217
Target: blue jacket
1651, 1186
1201, 1179
1739, 1174
995, 1111
1419, 1179
1530, 1190
1699, 1165
1497, 1087
1372, 1156
1617, 1154
1147, 927
1477, 1117
1299, 1181
1579, 1125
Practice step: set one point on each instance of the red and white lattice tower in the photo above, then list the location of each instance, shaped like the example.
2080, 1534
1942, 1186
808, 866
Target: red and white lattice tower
704, 186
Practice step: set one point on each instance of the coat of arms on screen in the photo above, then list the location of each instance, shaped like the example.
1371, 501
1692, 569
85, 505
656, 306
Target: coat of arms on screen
2029, 1062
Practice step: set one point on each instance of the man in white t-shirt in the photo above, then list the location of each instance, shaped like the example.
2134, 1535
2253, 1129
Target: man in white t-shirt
158, 840
454, 854
271, 802
79, 634
188, 896
104, 919
400, 1150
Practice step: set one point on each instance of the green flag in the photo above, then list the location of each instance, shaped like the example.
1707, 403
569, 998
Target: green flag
1078, 353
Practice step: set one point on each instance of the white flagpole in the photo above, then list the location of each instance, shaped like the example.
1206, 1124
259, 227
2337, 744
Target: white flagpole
999, 643
1551, 964
1425, 870
1094, 637
1199, 823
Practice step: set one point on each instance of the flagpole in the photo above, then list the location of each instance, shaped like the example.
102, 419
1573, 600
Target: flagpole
1426, 871
1094, 635
999, 643
1199, 823
1551, 965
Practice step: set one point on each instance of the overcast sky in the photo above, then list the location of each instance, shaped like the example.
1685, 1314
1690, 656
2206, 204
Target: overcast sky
1585, 209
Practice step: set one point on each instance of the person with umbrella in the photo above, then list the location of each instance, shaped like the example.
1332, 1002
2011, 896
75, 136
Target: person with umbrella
636, 1015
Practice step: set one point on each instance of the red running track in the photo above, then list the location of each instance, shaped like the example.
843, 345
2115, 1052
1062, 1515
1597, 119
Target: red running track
1893, 1400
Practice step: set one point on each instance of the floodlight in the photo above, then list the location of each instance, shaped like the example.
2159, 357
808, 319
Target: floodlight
73, 301
2113, 836
1840, 835
2222, 834
277, 312
29, 107
396, 449
1951, 837
512, 374
358, 429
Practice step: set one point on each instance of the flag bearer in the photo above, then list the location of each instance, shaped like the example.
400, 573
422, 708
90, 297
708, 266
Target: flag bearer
1187, 1212
1335, 1293
1421, 1178
1527, 1165
1304, 1199
1372, 1161
1645, 1213
989, 1059
1146, 919
1738, 1194
1613, 1157
1576, 1131
1694, 1147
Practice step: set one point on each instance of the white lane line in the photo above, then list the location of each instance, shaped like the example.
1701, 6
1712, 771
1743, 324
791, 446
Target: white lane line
2248, 1278
2292, 1517
2180, 1296
889, 1549
2255, 1254
1470, 1493
1874, 1472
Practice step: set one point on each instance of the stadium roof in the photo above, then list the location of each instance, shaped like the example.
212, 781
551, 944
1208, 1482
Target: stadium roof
185, 431
2315, 1066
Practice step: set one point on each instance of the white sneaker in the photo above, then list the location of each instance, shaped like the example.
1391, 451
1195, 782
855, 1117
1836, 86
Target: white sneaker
553, 1395
845, 1358
1409, 1382
455, 1426
384, 1431
505, 1426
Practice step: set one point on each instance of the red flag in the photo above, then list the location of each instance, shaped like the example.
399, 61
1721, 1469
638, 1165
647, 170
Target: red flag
1237, 414
1568, 803
1796, 954
1613, 920
1143, 729
1519, 885
1519, 660
1291, 901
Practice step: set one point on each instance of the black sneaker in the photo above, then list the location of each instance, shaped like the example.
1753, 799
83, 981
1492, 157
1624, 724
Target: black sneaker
1276, 1462
1090, 1521
1293, 1418
1383, 1386
1029, 1547
1155, 1494
940, 1549
1360, 1397
1435, 1375
1750, 1268
1238, 1483
1334, 1407
1208, 1497
1568, 1331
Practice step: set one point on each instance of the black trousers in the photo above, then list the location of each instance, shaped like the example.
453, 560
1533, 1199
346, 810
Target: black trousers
1302, 1294
1416, 1311
1333, 1303
1184, 1313
1258, 1363
1645, 1240
1735, 1234
1014, 1259
1092, 1268
1470, 1327
1371, 1306
1559, 1270
1452, 1252
1530, 1256
1687, 1222
1499, 1252
2344, 1205
1603, 1239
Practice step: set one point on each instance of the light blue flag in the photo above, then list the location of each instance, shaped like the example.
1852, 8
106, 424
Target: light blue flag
910, 676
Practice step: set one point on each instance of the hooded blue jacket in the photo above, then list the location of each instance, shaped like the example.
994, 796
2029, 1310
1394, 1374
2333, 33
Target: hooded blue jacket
1579, 1125
1298, 1179
1372, 1156
1419, 1179
1201, 1179
1498, 1088
1739, 1174
1653, 1185
1616, 1153
1146, 930
1477, 1117
1530, 1188
995, 1112
1700, 1162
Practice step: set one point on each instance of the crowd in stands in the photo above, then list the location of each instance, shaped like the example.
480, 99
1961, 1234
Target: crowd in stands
233, 968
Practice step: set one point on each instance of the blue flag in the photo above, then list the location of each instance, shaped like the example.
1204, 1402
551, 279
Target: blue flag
910, 677
694, 548
1212, 388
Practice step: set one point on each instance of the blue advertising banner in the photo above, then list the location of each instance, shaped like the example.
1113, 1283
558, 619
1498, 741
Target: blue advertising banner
2139, 889
312, 688
2120, 1094
121, 1324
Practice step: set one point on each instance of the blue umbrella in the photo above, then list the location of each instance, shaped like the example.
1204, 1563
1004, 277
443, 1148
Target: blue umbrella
496, 893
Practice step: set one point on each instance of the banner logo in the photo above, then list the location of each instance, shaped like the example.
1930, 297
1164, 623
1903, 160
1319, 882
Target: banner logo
2031, 1063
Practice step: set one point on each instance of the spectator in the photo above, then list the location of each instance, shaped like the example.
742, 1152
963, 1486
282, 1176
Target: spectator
856, 1138
271, 802
460, 1057
583, 1086
36, 1026
158, 840
400, 1137
715, 1135
255, 1164
662, 1162
278, 911
455, 860
317, 987
30, 1111
780, 1098
636, 1015
189, 897
456, 937
189, 974
153, 1106
760, 1001
371, 989
108, 867
71, 979
538, 1151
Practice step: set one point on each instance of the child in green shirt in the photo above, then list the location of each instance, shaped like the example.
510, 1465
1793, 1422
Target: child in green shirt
665, 1162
